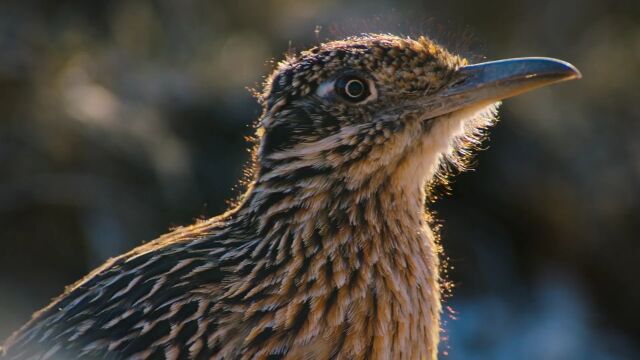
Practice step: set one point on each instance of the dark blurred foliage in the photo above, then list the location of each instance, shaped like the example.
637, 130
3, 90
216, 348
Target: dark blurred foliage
121, 119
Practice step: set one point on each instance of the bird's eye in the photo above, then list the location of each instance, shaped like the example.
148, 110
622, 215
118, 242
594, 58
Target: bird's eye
352, 88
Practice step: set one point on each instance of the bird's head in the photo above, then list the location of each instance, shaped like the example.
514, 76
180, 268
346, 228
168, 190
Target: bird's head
382, 108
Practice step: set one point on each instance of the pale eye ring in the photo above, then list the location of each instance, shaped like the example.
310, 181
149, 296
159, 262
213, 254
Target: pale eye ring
352, 88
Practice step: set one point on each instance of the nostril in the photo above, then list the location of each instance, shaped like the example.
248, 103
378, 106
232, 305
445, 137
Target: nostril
459, 81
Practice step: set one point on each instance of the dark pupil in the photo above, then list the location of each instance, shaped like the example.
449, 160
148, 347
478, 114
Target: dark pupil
352, 88
355, 88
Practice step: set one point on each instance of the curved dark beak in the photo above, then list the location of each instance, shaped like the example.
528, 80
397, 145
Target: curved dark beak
489, 82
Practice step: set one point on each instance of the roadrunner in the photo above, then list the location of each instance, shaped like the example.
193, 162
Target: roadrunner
329, 254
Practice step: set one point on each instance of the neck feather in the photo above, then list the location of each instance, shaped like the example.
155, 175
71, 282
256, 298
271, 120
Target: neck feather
341, 255
360, 262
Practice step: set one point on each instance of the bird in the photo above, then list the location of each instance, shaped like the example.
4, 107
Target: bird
331, 252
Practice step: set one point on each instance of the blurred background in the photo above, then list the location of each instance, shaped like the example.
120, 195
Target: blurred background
121, 119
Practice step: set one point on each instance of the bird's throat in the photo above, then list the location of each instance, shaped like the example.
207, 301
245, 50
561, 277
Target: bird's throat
345, 256
362, 263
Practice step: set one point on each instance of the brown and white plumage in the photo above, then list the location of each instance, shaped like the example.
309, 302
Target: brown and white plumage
328, 255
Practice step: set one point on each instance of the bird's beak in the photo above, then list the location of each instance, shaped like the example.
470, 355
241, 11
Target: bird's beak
486, 83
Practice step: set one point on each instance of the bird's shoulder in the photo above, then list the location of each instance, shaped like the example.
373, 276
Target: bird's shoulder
135, 299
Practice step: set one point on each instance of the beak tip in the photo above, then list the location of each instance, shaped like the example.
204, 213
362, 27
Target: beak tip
550, 68
572, 72
578, 74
